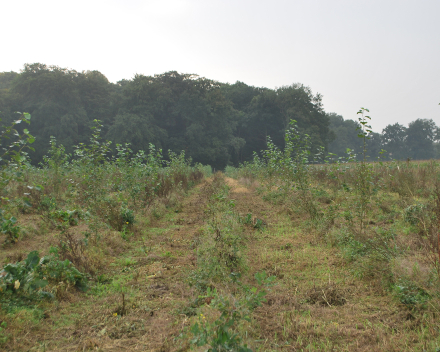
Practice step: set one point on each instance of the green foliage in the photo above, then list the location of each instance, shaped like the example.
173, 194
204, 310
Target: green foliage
259, 224
298, 153
56, 159
56, 271
248, 219
221, 334
410, 294
12, 158
127, 216
13, 150
215, 123
125, 234
3, 335
9, 227
65, 217
288, 171
363, 176
414, 213
25, 280
96, 152
57, 155
48, 203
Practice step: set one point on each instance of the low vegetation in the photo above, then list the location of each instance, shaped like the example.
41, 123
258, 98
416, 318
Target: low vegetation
292, 251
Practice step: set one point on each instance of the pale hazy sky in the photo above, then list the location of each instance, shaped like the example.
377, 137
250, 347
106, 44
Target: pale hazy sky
383, 55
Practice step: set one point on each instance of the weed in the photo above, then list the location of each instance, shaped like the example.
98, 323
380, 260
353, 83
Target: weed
363, 172
9, 227
56, 159
220, 335
127, 216
410, 294
73, 250
48, 203
25, 280
413, 214
3, 335
248, 219
259, 224
125, 234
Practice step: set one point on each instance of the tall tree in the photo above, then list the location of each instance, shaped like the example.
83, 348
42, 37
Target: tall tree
6, 79
297, 102
345, 135
421, 135
394, 141
190, 112
8, 100
63, 103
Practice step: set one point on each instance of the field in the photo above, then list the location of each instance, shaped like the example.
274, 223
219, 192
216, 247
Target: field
143, 254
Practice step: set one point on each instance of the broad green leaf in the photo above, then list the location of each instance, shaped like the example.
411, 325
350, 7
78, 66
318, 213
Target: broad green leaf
32, 259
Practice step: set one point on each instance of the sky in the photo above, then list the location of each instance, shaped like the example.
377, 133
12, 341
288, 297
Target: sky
381, 55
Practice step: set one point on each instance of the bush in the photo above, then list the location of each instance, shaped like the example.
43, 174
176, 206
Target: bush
9, 228
127, 216
414, 213
221, 334
410, 294
26, 279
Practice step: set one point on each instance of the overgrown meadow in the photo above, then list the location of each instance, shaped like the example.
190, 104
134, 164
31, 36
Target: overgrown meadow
110, 250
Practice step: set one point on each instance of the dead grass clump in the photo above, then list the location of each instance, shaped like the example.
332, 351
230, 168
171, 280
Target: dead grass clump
328, 295
74, 250
63, 291
412, 267
109, 208
249, 182
174, 199
196, 176
157, 210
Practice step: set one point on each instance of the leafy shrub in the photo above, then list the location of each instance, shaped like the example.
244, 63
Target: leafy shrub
247, 220
26, 279
56, 270
220, 335
259, 224
410, 294
109, 208
3, 336
125, 234
34, 196
414, 213
127, 216
9, 227
48, 203
66, 216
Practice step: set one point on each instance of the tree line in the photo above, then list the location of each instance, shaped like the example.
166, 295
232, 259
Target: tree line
214, 123
419, 141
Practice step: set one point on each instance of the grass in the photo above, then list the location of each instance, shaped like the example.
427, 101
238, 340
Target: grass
336, 288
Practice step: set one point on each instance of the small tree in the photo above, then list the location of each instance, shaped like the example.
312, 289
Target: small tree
13, 144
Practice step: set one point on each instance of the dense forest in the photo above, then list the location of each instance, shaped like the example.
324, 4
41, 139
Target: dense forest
214, 123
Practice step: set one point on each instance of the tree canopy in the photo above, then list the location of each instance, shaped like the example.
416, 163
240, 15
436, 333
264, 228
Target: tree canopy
214, 123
